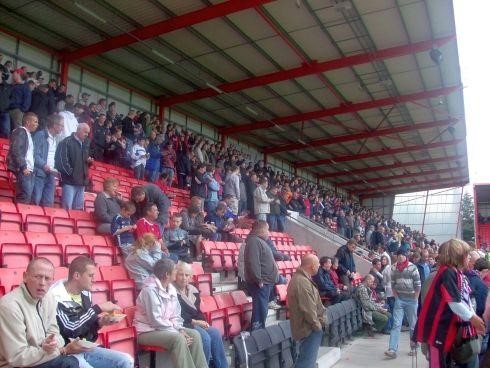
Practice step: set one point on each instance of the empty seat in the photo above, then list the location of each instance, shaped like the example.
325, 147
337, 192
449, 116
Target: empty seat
240, 298
280, 351
11, 277
15, 255
123, 339
40, 238
8, 207
28, 209
113, 273
63, 225
60, 273
39, 223
101, 292
86, 227
264, 344
80, 215
103, 256
11, 221
214, 316
56, 212
53, 252
69, 239
73, 251
123, 292
233, 313
92, 240
12, 237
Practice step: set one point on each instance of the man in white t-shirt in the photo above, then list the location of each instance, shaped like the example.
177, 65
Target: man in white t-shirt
20, 158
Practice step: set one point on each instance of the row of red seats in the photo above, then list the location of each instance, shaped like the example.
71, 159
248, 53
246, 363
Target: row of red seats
276, 237
223, 255
287, 268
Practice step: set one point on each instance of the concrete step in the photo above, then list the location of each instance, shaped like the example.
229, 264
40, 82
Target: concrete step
327, 357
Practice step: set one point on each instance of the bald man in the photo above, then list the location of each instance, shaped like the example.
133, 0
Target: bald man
306, 312
72, 160
30, 335
374, 316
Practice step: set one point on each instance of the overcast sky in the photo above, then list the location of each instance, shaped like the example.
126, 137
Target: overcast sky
473, 35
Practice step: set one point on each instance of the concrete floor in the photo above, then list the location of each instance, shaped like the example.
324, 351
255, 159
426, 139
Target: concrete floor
369, 352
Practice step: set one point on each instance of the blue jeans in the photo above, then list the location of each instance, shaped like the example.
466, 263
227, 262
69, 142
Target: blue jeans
152, 175
308, 350
407, 307
72, 197
390, 302
213, 346
139, 172
24, 187
43, 192
61, 361
102, 358
170, 173
210, 206
281, 223
4, 124
261, 217
272, 221
260, 303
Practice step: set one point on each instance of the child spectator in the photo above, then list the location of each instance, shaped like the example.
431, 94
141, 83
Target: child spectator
177, 239
122, 227
139, 156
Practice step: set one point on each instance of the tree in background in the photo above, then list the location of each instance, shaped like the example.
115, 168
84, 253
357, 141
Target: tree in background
468, 218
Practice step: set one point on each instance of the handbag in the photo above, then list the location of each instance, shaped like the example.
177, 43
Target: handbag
464, 350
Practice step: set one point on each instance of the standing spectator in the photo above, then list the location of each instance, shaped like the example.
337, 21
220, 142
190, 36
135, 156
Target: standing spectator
374, 316
78, 318
306, 312
213, 187
183, 167
198, 186
232, 186
72, 161
154, 158
128, 124
20, 158
5, 93
40, 104
99, 141
158, 322
378, 277
169, 157
347, 266
107, 205
123, 228
150, 193
405, 284
30, 334
139, 156
261, 200
377, 238
250, 186
20, 101
45, 144
261, 272
479, 290
71, 122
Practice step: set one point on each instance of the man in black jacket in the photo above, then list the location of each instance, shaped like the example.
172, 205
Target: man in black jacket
20, 158
5, 92
347, 266
151, 193
78, 318
40, 104
72, 160
183, 167
198, 186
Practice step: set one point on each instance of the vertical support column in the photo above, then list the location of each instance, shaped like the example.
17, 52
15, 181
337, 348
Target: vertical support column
295, 171
161, 113
425, 209
223, 140
318, 180
265, 158
64, 66
459, 234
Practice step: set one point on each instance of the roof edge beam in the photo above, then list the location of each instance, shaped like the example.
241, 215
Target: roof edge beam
382, 152
344, 108
307, 69
165, 26
360, 136
414, 188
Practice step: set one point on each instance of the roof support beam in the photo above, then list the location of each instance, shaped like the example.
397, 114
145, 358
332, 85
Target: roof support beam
342, 109
359, 136
391, 167
440, 182
393, 151
401, 176
307, 69
165, 26
409, 189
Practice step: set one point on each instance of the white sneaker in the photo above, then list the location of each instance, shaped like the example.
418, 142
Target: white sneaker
274, 305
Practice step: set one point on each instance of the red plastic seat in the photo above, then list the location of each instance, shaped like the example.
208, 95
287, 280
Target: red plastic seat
11, 277
86, 227
63, 225
93, 240
69, 239
233, 313
8, 207
10, 236
29, 209
123, 292
40, 238
214, 316
11, 221
101, 292
123, 340
15, 255
39, 223
203, 281
282, 292
56, 212
103, 256
73, 251
240, 298
60, 273
53, 252
113, 273
80, 215
2, 291
129, 312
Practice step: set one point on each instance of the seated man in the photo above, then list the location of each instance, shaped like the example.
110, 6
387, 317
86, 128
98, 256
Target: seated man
324, 283
177, 239
30, 336
223, 227
374, 316
378, 277
78, 318
158, 320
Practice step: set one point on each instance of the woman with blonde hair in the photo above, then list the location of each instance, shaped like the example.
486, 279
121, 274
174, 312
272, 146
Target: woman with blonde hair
144, 253
447, 321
